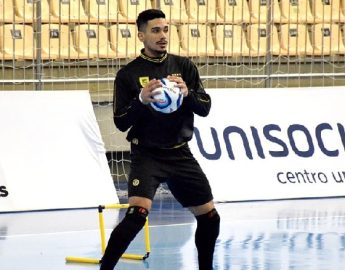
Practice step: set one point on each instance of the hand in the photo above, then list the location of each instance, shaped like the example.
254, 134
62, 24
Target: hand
180, 84
148, 92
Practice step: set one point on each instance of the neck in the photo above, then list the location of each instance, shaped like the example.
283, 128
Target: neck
153, 58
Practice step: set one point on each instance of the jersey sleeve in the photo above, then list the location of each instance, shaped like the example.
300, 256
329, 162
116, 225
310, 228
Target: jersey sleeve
197, 100
126, 106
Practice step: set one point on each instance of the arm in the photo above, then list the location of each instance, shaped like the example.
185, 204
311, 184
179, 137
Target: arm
127, 107
130, 101
192, 89
198, 100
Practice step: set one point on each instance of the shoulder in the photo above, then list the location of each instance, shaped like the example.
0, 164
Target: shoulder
178, 58
132, 64
128, 68
181, 61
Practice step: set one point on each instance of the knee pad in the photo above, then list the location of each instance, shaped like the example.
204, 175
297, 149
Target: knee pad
209, 224
137, 212
135, 219
131, 224
206, 235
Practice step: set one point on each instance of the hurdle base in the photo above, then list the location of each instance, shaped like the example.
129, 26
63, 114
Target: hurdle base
82, 260
98, 261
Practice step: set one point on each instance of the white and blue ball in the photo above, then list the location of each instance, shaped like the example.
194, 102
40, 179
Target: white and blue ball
169, 98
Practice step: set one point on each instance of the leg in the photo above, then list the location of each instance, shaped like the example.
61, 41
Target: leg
191, 188
126, 231
206, 233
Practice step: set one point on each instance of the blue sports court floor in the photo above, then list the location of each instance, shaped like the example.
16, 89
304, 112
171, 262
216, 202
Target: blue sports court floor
270, 235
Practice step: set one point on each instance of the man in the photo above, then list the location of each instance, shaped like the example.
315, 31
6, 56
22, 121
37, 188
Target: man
159, 142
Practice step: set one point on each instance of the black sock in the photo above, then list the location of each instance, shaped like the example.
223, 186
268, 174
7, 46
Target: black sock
206, 235
123, 235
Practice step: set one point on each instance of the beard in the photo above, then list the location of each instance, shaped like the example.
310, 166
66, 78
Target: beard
164, 51
157, 52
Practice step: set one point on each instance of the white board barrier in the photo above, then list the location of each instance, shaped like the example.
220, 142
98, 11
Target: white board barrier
262, 144
51, 152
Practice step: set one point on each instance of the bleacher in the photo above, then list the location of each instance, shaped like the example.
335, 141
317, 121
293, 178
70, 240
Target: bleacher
105, 29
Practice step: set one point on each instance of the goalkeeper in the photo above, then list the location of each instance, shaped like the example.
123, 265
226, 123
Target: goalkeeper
159, 142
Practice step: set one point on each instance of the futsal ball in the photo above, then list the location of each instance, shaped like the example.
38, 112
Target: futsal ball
169, 99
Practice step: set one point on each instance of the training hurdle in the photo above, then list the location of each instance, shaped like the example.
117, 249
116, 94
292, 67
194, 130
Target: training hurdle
103, 240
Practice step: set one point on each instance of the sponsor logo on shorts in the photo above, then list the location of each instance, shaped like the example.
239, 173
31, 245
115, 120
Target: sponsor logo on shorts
135, 141
136, 182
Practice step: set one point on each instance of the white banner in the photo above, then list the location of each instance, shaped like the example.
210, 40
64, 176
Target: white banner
260, 144
51, 152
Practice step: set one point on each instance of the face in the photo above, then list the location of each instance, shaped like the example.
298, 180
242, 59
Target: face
155, 37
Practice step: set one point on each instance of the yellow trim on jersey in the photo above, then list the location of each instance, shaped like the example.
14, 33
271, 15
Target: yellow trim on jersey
155, 60
175, 146
204, 100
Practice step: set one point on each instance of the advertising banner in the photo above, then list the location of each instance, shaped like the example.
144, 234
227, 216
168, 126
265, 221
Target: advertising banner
259, 144
51, 152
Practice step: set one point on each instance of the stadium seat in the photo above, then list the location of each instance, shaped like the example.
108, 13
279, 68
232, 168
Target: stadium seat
174, 10
57, 42
233, 11
68, 11
293, 11
7, 13
259, 11
2, 56
295, 40
326, 39
257, 36
27, 11
230, 40
196, 40
17, 42
124, 40
131, 8
327, 11
203, 11
91, 41
175, 46
103, 10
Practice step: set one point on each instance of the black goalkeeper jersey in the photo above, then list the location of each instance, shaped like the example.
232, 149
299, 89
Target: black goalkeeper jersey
148, 127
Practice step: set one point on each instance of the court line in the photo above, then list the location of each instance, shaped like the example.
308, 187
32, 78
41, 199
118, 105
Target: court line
82, 231
226, 221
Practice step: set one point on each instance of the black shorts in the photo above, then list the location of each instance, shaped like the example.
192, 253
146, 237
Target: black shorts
177, 167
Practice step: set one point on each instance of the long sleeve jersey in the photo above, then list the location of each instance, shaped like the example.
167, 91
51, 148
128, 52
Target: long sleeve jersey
146, 126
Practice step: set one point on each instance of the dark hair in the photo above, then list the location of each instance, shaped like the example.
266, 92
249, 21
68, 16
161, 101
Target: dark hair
148, 15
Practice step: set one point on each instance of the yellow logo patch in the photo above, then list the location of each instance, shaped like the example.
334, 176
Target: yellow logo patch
143, 81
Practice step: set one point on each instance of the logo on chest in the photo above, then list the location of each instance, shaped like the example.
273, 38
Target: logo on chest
144, 81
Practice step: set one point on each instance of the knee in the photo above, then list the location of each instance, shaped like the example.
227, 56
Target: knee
210, 215
140, 201
134, 220
207, 230
209, 222
137, 213
202, 209
131, 224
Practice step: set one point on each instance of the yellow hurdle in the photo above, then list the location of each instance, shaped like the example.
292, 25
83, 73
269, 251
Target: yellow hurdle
103, 240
